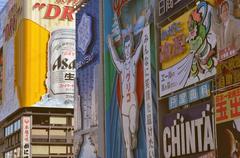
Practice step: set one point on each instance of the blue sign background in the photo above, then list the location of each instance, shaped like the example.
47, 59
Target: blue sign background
86, 73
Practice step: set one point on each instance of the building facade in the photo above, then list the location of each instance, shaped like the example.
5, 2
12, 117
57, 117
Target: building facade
37, 78
38, 132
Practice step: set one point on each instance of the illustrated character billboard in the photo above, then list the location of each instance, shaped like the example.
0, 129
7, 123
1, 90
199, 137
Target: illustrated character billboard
126, 40
194, 41
129, 107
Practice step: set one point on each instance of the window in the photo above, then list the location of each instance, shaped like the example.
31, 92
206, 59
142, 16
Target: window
16, 138
40, 120
19, 124
58, 120
16, 153
70, 150
19, 137
72, 121
58, 149
9, 154
10, 129
57, 133
15, 126
13, 140
40, 149
39, 132
6, 132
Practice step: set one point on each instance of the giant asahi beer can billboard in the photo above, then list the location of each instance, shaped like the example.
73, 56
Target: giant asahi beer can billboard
61, 64
39, 54
54, 20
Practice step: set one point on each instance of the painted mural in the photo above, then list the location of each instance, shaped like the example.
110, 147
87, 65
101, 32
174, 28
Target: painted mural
87, 61
130, 84
193, 43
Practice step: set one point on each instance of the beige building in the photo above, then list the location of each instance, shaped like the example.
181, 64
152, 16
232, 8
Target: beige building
37, 132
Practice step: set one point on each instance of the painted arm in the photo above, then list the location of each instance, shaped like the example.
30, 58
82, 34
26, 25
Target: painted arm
116, 60
138, 50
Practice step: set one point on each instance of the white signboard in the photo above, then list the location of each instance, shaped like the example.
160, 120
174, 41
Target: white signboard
26, 139
148, 94
175, 77
85, 33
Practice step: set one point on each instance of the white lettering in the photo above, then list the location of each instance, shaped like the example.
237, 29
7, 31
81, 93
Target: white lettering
166, 147
199, 123
208, 135
190, 137
175, 140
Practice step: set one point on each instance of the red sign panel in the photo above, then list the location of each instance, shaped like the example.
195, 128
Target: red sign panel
227, 105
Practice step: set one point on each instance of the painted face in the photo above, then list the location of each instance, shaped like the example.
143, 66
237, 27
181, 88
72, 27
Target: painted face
224, 12
127, 49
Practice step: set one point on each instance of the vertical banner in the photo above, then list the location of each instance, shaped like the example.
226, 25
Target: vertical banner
26, 136
147, 93
130, 79
87, 64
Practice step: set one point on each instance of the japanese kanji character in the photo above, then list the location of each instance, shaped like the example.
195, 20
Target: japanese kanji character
169, 4
235, 105
69, 76
161, 7
221, 110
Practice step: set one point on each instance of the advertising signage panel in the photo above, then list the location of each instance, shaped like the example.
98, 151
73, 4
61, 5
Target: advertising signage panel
228, 72
10, 18
191, 95
87, 74
129, 79
227, 29
167, 8
191, 42
47, 37
26, 136
38, 45
189, 132
227, 105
